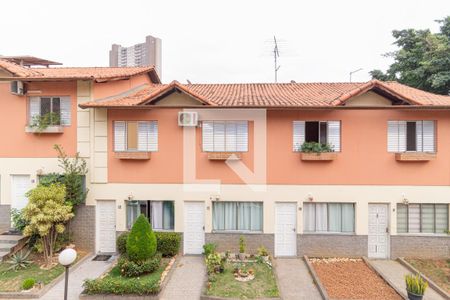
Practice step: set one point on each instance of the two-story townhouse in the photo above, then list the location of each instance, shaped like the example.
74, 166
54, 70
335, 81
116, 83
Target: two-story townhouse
217, 161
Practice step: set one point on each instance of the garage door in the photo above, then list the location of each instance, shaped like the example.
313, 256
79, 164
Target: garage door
194, 227
106, 226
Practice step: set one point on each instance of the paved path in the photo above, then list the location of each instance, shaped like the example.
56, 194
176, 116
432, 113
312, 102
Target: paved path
187, 279
294, 280
395, 272
87, 270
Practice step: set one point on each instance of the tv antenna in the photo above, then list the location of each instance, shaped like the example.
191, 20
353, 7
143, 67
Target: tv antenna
276, 54
353, 72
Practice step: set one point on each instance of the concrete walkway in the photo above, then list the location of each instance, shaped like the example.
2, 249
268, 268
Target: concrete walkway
87, 270
294, 280
187, 280
395, 272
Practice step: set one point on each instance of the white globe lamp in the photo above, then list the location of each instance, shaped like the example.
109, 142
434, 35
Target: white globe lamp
66, 258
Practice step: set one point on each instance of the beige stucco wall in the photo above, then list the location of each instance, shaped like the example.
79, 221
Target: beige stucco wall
368, 99
361, 195
178, 99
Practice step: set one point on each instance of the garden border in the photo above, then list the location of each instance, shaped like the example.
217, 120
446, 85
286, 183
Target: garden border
431, 283
38, 294
203, 296
389, 282
157, 296
316, 279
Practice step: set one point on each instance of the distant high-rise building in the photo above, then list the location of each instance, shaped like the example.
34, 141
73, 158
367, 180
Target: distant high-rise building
144, 54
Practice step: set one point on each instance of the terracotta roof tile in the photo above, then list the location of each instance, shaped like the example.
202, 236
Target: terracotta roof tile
93, 73
277, 94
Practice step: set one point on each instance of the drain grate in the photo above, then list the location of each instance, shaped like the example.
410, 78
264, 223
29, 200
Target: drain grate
102, 257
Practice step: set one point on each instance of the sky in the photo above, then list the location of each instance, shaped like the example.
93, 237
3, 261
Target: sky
221, 41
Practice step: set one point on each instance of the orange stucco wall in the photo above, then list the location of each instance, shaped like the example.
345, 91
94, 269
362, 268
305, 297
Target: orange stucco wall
110, 88
14, 109
363, 159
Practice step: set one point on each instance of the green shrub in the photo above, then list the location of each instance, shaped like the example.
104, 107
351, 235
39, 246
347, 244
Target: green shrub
141, 242
168, 243
209, 248
415, 284
262, 251
214, 263
19, 261
241, 244
130, 268
28, 283
121, 243
314, 147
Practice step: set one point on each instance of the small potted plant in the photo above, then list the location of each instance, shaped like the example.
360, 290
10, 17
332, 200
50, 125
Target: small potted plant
415, 286
241, 248
263, 253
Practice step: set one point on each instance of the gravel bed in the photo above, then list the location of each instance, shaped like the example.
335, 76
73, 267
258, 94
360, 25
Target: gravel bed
351, 279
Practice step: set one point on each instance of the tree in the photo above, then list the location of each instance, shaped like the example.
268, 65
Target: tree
73, 178
423, 60
141, 242
46, 214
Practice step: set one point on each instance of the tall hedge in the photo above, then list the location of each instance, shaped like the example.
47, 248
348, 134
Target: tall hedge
141, 242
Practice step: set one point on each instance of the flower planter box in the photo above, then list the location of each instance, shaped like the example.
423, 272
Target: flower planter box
224, 155
414, 156
323, 156
49, 129
133, 155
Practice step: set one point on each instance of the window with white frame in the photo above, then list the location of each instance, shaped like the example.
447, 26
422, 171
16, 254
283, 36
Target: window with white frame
422, 218
237, 216
323, 132
161, 214
411, 136
329, 217
225, 136
54, 110
141, 136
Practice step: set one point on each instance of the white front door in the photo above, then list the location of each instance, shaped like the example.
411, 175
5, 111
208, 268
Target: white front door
378, 231
285, 231
106, 226
194, 227
20, 185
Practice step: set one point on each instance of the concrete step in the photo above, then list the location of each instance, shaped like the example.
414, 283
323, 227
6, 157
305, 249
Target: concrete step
3, 254
10, 239
6, 247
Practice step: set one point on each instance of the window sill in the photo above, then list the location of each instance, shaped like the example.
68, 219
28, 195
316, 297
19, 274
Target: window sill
224, 155
329, 233
423, 234
49, 129
133, 155
236, 232
323, 156
415, 156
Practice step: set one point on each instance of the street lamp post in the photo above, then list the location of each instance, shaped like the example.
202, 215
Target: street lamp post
66, 258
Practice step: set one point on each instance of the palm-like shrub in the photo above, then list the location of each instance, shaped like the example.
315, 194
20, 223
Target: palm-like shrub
19, 261
141, 242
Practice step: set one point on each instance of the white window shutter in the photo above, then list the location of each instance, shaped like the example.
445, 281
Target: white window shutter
219, 136
65, 111
230, 137
119, 136
428, 136
242, 136
35, 108
419, 136
401, 136
208, 136
152, 136
334, 135
392, 136
143, 130
298, 135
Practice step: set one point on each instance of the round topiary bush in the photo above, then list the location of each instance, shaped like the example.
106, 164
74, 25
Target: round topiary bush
122, 243
28, 283
141, 242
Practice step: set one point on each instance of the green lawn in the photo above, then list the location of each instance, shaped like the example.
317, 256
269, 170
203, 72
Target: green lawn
437, 270
114, 283
263, 286
11, 281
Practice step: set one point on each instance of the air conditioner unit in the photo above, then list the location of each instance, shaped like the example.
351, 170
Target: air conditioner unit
187, 118
17, 87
